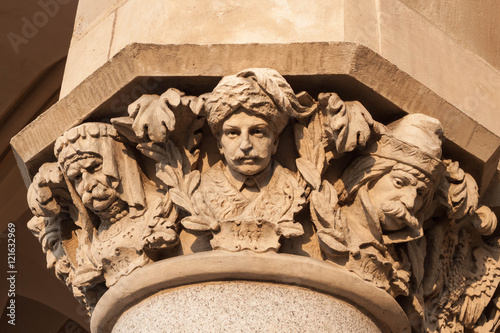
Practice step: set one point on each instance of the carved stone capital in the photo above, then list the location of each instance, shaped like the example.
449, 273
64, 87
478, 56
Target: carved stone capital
256, 175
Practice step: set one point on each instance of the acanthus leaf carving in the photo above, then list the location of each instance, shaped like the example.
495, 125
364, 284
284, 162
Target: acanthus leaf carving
347, 125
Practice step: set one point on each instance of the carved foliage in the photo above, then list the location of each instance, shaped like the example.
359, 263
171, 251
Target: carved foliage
396, 214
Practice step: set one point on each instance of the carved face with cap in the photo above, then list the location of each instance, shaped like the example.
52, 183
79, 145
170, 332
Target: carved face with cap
247, 112
399, 172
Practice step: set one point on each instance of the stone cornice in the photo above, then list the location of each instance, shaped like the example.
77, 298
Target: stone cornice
353, 70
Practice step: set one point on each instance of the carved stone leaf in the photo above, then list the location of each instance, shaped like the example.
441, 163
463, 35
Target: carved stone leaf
484, 220
153, 151
347, 125
458, 192
198, 106
196, 223
124, 126
167, 175
172, 97
192, 181
309, 142
182, 199
322, 205
308, 170
290, 229
153, 119
159, 239
333, 239
174, 156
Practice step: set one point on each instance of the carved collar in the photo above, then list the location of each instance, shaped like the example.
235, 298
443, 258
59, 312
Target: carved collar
238, 180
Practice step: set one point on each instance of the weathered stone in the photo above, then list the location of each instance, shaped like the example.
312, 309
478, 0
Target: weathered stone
233, 306
285, 271
90, 52
385, 202
118, 83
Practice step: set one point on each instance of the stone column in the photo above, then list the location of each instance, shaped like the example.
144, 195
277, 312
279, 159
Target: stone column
268, 167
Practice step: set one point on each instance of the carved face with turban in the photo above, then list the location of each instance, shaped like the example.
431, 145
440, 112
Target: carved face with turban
398, 172
247, 112
93, 160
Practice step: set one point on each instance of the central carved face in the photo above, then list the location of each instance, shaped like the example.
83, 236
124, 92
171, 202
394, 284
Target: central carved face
247, 142
91, 184
397, 196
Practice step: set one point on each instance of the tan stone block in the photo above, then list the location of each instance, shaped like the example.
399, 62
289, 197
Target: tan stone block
87, 55
91, 13
362, 23
431, 57
484, 143
225, 22
472, 24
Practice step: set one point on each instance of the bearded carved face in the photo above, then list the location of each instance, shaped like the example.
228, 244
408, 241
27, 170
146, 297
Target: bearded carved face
247, 142
97, 190
397, 196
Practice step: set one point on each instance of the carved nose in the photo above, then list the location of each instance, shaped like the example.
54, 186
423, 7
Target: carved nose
409, 197
245, 144
88, 181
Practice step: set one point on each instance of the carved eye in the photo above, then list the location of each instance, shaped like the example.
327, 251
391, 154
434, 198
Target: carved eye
232, 133
257, 132
93, 168
420, 192
398, 182
76, 177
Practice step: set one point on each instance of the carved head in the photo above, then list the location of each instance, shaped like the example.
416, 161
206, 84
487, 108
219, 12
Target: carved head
399, 171
47, 230
247, 112
247, 142
93, 160
398, 195
97, 190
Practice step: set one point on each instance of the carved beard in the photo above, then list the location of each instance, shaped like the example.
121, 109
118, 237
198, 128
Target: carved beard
397, 211
115, 212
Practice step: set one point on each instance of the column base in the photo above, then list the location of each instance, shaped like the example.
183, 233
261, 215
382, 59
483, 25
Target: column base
230, 292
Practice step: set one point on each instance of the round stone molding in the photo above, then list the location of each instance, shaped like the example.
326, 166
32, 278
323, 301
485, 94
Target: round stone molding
288, 284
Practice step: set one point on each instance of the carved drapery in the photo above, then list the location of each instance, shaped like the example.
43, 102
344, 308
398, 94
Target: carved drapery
381, 199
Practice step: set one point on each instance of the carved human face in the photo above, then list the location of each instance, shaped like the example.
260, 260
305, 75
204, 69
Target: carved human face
397, 196
247, 142
91, 184
54, 249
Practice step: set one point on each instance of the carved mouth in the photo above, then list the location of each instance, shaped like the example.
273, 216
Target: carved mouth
247, 160
101, 204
